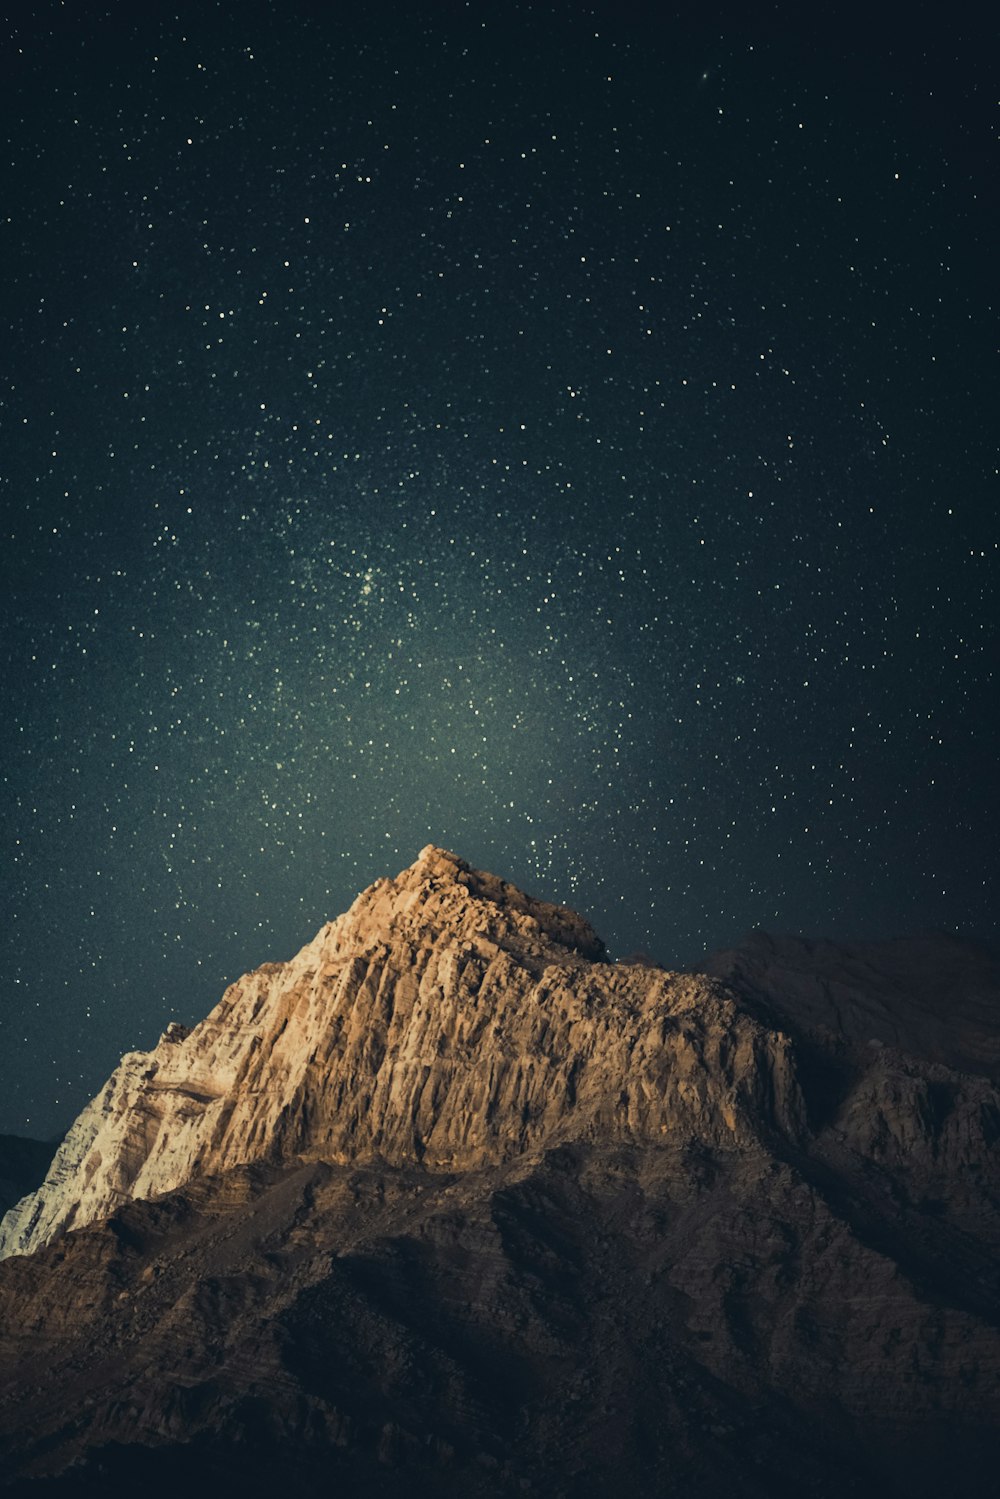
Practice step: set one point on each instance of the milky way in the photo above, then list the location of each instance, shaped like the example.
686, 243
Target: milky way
557, 437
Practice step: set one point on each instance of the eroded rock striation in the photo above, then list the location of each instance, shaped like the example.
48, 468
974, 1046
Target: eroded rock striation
446, 1019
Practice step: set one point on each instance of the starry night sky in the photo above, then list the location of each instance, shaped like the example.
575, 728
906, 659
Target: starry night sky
557, 432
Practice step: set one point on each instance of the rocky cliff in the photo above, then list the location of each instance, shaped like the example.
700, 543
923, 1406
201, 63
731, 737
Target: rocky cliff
447, 1020
451, 1206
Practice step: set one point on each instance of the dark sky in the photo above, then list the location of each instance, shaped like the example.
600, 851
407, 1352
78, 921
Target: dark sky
560, 433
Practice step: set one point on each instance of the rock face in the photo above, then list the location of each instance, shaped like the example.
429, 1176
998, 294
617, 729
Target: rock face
446, 1020
450, 1206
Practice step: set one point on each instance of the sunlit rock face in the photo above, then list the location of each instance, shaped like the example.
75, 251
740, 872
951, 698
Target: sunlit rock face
446, 1020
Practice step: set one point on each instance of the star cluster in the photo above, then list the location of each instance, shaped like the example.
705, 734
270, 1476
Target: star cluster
554, 432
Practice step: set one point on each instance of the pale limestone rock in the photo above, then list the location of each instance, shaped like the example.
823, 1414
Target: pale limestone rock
447, 1019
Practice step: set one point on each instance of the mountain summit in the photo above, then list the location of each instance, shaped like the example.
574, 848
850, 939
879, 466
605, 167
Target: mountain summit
449, 1205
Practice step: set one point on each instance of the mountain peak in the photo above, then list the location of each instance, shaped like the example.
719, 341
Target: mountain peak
446, 1165
447, 1020
438, 867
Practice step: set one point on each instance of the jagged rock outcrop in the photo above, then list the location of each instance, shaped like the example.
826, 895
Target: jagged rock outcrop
447, 1020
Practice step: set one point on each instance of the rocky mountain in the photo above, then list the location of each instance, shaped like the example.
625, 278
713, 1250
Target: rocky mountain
451, 1205
446, 1020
